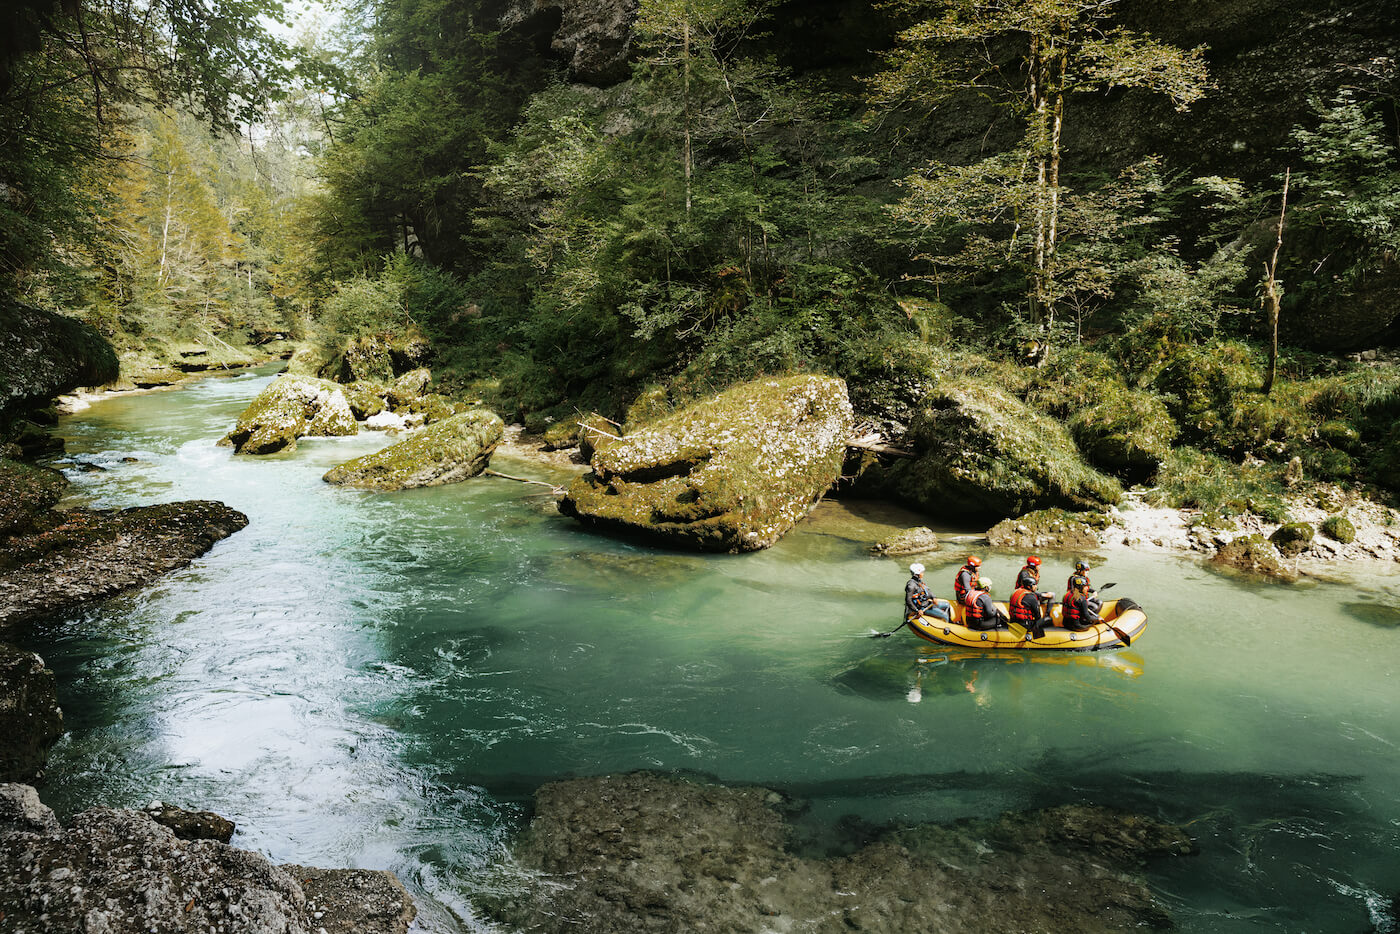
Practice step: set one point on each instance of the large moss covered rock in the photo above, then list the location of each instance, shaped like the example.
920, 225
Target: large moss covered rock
1255, 555
289, 408
1129, 434
983, 452
44, 354
731, 473
445, 452
1292, 538
1049, 530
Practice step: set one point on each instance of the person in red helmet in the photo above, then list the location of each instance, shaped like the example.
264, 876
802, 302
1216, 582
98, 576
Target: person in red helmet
1029, 576
967, 576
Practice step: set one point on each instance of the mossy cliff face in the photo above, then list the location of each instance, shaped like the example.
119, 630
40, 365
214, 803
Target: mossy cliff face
289, 408
444, 452
43, 354
730, 473
984, 453
643, 852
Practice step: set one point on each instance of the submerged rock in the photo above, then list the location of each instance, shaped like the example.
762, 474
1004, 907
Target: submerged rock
116, 871
30, 719
983, 452
445, 452
733, 472
289, 408
645, 852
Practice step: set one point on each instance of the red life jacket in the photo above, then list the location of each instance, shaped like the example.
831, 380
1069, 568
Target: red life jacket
974, 607
1020, 612
960, 590
1073, 618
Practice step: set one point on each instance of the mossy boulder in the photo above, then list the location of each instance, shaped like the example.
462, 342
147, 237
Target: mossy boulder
916, 541
366, 398
26, 492
1128, 433
1050, 530
289, 408
732, 472
1253, 554
1339, 529
983, 452
432, 407
445, 452
408, 387
44, 354
1292, 538
367, 358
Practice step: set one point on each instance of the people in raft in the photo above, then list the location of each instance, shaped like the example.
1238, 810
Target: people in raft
967, 576
1082, 570
982, 613
1081, 609
1030, 608
918, 602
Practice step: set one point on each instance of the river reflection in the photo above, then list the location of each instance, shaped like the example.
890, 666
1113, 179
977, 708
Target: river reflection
383, 680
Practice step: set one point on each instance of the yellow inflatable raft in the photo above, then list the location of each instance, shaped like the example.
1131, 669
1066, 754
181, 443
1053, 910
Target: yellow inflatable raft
1129, 621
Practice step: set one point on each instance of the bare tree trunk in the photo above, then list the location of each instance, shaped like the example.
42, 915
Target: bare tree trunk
689, 164
1270, 299
165, 228
1053, 221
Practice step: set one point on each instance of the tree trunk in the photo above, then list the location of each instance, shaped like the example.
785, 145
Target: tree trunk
1271, 291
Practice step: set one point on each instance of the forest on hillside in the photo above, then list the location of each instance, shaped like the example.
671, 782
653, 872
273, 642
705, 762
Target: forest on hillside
1169, 227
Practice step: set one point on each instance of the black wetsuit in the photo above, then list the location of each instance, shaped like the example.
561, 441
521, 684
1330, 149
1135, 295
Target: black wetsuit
992, 616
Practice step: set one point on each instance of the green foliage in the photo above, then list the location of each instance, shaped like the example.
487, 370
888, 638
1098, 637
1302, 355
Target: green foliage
1192, 479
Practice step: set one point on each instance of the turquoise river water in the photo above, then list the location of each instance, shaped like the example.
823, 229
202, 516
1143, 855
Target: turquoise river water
382, 681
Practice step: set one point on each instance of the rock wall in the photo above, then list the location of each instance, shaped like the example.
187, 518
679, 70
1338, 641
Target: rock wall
43, 355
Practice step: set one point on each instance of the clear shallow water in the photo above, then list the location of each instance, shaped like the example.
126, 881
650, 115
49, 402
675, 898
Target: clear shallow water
383, 680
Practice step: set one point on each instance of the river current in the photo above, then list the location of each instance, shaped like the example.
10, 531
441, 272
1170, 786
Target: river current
383, 680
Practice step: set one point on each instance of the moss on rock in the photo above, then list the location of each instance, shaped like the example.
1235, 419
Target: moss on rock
1050, 530
445, 452
1339, 529
921, 540
30, 718
290, 407
983, 452
1253, 554
733, 472
44, 354
366, 398
1129, 433
1292, 538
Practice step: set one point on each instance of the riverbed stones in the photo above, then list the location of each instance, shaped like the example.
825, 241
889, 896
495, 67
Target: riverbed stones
646, 852
730, 473
983, 452
191, 825
289, 408
447, 451
118, 871
30, 718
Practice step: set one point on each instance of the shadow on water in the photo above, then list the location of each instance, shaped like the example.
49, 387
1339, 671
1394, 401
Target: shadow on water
1376, 614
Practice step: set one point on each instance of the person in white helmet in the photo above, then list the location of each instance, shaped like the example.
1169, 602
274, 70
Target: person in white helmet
918, 602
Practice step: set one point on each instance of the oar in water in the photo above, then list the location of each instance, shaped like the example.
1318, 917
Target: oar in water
886, 635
